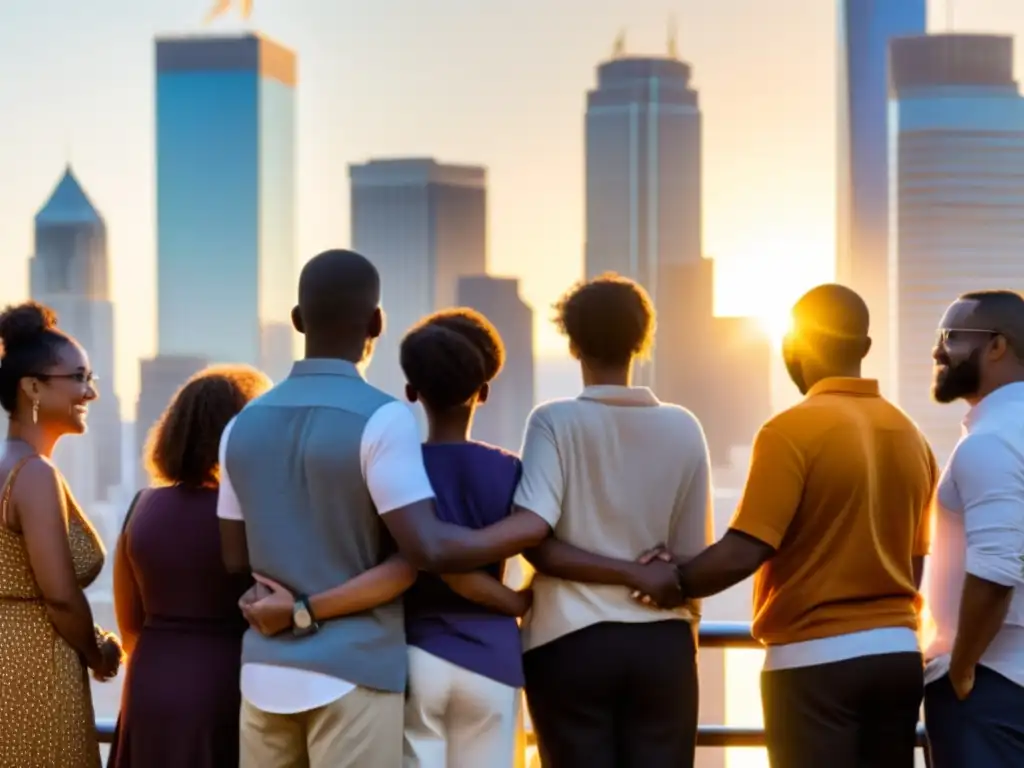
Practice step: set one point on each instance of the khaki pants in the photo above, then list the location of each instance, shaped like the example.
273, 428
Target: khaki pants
455, 718
362, 729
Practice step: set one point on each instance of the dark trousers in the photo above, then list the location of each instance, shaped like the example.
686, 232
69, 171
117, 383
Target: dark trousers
985, 730
859, 713
615, 695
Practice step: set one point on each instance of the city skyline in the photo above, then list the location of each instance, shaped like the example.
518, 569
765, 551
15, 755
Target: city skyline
745, 80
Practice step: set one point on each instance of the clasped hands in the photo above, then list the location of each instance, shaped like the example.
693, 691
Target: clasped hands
655, 579
267, 606
110, 658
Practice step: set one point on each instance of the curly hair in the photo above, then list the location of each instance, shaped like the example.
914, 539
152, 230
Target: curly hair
31, 343
183, 446
609, 319
450, 355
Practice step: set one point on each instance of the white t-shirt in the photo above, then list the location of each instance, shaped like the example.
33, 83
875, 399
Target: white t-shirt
614, 472
391, 457
979, 529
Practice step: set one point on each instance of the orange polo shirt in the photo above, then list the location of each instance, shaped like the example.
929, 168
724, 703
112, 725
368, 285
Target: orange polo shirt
841, 486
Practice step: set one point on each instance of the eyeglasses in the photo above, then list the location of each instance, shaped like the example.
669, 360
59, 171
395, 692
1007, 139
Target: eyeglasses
944, 336
82, 377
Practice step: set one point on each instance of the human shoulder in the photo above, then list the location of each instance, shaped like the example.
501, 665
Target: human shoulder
682, 419
391, 420
985, 452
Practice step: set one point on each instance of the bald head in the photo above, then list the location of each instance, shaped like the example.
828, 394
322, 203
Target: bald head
834, 320
339, 297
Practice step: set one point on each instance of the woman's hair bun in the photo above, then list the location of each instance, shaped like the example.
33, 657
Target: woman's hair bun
23, 322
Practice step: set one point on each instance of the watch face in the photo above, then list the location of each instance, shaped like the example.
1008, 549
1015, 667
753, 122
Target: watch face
302, 619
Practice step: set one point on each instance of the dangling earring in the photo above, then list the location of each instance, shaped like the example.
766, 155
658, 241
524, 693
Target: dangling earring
35, 411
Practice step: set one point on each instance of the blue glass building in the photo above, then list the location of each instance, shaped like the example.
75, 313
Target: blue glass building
957, 193
866, 27
225, 148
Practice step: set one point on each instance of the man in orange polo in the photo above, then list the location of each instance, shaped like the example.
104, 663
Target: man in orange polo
834, 522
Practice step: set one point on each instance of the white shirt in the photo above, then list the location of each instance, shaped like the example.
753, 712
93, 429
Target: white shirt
391, 457
614, 472
979, 529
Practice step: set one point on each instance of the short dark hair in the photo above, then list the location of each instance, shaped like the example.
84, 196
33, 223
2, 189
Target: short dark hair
338, 292
609, 319
31, 343
183, 446
1002, 312
448, 356
835, 320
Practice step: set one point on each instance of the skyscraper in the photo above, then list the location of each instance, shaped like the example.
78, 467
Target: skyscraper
501, 419
225, 155
643, 168
862, 243
643, 220
69, 272
424, 225
957, 138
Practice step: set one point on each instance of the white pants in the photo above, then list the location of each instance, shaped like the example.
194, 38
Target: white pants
455, 718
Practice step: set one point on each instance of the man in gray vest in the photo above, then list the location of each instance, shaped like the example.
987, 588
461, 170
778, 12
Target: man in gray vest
308, 472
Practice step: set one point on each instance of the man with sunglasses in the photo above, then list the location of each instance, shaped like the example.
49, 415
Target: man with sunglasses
974, 694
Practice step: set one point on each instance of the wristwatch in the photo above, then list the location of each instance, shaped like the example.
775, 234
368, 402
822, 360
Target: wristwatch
303, 621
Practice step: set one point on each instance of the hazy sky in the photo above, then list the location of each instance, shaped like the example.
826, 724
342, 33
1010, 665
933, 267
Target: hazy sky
498, 83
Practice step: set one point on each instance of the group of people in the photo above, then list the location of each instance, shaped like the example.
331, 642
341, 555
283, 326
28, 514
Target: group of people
309, 583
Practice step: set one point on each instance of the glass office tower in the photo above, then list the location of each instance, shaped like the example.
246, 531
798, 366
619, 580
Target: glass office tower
225, 154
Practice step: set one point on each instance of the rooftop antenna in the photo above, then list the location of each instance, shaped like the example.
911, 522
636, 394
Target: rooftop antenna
619, 46
673, 35
220, 7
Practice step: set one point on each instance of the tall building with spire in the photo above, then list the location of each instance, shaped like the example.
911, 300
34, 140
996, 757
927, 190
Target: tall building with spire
70, 272
643, 221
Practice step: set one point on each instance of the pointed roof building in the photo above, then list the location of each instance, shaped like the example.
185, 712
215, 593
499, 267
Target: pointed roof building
68, 204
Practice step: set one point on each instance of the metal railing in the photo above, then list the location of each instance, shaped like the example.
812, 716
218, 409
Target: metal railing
713, 634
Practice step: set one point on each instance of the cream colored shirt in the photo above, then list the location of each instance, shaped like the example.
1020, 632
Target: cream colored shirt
614, 472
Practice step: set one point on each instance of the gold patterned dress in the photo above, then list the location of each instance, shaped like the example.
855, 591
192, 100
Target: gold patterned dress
46, 714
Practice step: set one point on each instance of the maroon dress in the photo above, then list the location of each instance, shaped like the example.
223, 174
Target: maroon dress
180, 701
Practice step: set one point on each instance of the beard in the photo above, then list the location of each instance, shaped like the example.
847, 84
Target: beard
954, 381
795, 371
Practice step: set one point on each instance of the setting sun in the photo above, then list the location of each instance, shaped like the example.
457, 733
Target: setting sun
775, 325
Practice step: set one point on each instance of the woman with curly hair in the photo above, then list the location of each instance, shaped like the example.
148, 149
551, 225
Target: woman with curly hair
176, 605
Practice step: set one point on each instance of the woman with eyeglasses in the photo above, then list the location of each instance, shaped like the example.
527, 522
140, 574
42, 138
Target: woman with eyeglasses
49, 553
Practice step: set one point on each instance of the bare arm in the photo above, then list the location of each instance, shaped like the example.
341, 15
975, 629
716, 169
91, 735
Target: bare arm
379, 585
564, 561
38, 501
983, 608
233, 547
724, 564
440, 547
485, 590
127, 601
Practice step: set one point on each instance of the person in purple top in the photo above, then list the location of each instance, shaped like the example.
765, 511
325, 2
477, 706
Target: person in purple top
465, 656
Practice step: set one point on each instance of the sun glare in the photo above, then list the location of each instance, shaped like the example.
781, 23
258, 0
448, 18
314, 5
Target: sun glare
774, 325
